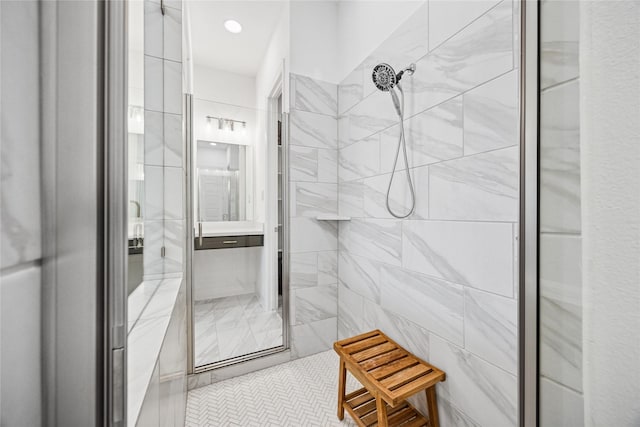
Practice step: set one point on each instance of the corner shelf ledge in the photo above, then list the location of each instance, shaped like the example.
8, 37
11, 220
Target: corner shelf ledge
333, 218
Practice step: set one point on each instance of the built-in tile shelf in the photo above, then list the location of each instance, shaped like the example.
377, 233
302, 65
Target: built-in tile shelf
333, 218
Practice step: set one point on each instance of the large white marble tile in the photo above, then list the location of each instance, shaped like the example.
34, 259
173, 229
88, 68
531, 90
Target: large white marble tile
139, 298
173, 140
20, 332
153, 84
377, 239
236, 341
559, 41
350, 90
406, 333
434, 304
172, 34
303, 164
153, 34
173, 194
350, 313
313, 304
20, 204
561, 268
359, 274
311, 235
351, 199
174, 243
560, 405
344, 135
484, 392
172, 84
153, 138
491, 328
149, 410
477, 54
451, 416
560, 159
327, 268
153, 242
316, 96
163, 300
446, 18
311, 338
375, 194
431, 136
153, 193
474, 254
491, 118
373, 114
360, 159
313, 130
479, 187
303, 270
328, 165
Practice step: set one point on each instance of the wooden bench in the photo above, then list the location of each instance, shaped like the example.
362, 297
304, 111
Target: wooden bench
389, 374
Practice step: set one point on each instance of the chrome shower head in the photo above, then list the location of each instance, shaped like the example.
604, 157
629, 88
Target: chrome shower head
385, 78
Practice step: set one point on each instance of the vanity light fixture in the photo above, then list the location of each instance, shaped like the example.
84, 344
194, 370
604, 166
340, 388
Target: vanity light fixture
232, 26
230, 123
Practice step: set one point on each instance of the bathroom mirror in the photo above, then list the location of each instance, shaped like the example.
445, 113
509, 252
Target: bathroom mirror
221, 182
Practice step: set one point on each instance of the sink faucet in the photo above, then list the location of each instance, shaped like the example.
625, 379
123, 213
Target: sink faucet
137, 207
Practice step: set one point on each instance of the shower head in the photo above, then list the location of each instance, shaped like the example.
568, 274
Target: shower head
385, 78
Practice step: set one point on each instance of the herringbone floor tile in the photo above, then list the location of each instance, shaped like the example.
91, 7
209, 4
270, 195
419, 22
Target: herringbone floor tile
301, 393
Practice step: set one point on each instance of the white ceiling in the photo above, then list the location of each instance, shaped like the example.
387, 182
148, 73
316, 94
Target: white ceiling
215, 47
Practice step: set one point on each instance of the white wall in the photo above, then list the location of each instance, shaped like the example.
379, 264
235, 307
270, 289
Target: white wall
610, 157
224, 87
363, 25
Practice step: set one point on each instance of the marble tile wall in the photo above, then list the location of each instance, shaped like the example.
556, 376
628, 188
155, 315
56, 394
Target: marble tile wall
561, 399
163, 144
313, 190
20, 211
441, 282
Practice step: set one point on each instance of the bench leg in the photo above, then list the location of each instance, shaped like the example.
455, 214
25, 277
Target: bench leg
432, 405
381, 406
342, 388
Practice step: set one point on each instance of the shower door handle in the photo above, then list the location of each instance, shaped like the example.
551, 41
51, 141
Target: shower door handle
200, 234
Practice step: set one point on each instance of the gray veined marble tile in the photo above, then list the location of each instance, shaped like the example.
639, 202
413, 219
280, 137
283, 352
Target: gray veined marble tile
481, 51
480, 187
173, 193
153, 137
350, 313
373, 114
447, 18
487, 394
360, 275
350, 90
344, 134
561, 268
153, 193
315, 96
434, 304
153, 37
375, 194
360, 159
491, 115
236, 341
311, 199
153, 84
172, 87
172, 140
351, 199
153, 242
560, 405
452, 416
328, 165
303, 164
327, 268
313, 130
313, 337
172, 34
474, 254
303, 270
313, 304
311, 235
173, 243
559, 42
377, 239
431, 136
560, 159
491, 328
408, 334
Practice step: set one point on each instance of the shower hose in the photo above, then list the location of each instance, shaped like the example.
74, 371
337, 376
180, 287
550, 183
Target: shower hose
401, 143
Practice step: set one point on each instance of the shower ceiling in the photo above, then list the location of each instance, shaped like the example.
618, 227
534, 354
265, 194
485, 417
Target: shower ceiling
215, 47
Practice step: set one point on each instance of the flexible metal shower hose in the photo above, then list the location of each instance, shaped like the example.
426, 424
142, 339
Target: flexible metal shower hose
401, 143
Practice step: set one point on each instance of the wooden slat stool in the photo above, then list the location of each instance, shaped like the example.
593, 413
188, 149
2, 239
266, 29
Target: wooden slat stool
389, 374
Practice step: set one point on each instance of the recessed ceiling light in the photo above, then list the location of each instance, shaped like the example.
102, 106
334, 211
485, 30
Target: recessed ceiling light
232, 26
